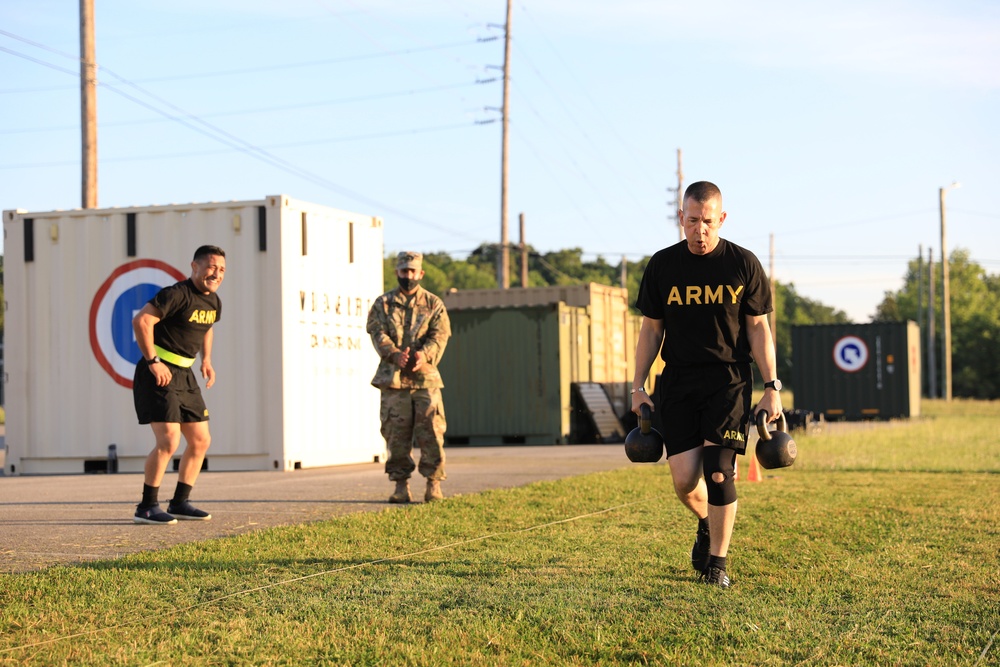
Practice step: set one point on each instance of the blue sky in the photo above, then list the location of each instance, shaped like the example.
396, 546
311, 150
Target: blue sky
829, 125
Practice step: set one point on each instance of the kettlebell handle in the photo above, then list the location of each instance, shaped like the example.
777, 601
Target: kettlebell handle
762, 416
645, 419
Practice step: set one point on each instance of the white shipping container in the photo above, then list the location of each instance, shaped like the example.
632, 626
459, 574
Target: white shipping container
292, 358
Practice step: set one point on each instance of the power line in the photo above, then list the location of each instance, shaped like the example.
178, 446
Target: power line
39, 45
555, 179
805, 229
573, 200
285, 107
196, 124
397, 27
216, 28
839, 281
979, 213
593, 188
293, 144
866, 258
364, 33
313, 63
584, 90
608, 164
248, 70
37, 61
360, 30
572, 160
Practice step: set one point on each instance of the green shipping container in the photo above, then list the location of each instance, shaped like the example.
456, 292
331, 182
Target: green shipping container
857, 371
508, 374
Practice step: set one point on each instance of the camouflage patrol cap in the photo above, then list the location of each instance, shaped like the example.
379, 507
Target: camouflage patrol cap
409, 260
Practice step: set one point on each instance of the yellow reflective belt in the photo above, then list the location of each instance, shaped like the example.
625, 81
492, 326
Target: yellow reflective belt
171, 358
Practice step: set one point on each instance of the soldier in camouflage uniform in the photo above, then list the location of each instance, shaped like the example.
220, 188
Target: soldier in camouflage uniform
409, 327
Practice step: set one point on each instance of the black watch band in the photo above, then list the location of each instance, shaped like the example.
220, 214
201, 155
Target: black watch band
154, 360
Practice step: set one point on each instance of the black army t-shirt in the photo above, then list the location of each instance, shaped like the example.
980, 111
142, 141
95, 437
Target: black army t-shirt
703, 300
187, 316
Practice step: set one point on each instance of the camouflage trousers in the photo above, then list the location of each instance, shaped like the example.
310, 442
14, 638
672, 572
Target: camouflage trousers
413, 418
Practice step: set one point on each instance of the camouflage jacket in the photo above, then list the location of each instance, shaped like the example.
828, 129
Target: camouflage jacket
420, 322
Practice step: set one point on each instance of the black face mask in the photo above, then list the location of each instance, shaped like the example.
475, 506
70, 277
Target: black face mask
407, 284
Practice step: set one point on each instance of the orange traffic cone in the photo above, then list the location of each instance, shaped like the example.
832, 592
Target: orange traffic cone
754, 474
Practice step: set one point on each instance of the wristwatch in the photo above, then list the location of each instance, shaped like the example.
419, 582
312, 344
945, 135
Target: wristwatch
154, 360
640, 390
773, 384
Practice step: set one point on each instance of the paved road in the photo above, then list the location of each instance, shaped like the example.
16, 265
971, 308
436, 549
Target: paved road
49, 520
64, 519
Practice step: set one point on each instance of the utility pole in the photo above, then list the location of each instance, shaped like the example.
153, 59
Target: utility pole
678, 201
920, 290
503, 259
88, 104
931, 357
945, 297
624, 273
524, 255
680, 195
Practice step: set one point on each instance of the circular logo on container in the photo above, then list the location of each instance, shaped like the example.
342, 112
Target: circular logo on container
119, 298
850, 353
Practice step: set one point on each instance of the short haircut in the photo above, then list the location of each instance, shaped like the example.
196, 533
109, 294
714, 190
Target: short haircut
206, 250
702, 191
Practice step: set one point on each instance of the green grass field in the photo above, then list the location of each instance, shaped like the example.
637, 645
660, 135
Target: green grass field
879, 547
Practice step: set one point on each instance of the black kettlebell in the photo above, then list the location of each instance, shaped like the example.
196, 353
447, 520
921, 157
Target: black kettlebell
775, 449
644, 444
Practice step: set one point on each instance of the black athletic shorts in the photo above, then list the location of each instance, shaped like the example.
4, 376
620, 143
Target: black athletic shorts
178, 403
699, 403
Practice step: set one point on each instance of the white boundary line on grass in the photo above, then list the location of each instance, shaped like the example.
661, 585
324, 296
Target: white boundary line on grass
986, 650
334, 571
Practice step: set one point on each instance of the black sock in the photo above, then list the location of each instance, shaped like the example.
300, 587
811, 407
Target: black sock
717, 561
703, 525
150, 495
181, 493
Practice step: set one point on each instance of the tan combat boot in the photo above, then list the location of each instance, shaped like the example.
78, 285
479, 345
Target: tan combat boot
433, 491
402, 492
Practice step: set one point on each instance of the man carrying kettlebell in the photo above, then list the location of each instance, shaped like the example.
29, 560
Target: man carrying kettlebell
704, 303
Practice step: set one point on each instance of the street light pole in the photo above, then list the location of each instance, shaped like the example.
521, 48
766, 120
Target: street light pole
945, 296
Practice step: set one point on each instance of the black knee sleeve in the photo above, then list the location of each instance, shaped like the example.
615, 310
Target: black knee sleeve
720, 460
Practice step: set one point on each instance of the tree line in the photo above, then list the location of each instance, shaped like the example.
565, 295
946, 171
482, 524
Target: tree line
567, 267
975, 303
975, 321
